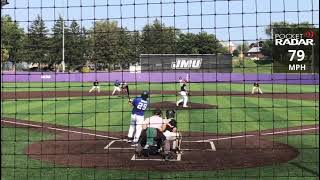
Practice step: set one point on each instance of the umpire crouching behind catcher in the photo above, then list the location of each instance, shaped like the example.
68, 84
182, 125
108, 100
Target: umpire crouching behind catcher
171, 131
152, 138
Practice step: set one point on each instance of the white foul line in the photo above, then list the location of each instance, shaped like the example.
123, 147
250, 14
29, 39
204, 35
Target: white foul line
24, 124
285, 132
63, 130
224, 138
250, 135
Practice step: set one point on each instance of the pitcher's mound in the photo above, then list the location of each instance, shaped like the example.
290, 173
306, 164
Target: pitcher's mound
172, 105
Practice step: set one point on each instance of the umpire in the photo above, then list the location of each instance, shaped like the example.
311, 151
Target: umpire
153, 128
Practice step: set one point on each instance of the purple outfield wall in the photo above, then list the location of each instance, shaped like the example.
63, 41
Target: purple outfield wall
159, 77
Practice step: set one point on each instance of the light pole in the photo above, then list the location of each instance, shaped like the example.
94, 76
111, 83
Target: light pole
62, 62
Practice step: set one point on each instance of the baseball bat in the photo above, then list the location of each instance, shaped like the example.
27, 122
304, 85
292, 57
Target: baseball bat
128, 94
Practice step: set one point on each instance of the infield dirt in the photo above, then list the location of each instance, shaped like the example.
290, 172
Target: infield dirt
78, 147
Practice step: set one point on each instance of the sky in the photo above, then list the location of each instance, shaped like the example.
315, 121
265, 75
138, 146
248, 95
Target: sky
236, 21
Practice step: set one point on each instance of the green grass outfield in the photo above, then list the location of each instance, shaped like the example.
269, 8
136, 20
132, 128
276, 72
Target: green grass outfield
106, 86
235, 114
16, 165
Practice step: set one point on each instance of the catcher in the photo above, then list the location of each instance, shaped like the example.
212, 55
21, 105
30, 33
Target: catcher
152, 138
256, 88
171, 132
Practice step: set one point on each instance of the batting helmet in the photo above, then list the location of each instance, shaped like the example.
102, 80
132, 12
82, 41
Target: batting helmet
157, 112
145, 95
170, 114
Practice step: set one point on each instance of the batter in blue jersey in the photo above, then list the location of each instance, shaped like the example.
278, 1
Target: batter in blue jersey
140, 104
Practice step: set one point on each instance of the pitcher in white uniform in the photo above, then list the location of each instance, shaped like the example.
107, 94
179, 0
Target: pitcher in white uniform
184, 94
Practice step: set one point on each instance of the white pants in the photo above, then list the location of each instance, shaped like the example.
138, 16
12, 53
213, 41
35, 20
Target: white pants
116, 89
256, 89
135, 127
184, 98
175, 137
95, 87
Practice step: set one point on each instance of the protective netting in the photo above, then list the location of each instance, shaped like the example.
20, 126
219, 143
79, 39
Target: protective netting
159, 89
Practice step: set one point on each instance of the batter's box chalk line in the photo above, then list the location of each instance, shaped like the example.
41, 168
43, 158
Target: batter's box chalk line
135, 158
108, 146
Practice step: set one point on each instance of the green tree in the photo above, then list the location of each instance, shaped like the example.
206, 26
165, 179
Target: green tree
37, 42
76, 46
55, 56
157, 38
236, 52
135, 47
129, 50
202, 43
266, 48
4, 54
187, 44
244, 47
110, 44
12, 37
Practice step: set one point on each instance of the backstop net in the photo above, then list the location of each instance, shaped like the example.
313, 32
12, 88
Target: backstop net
159, 89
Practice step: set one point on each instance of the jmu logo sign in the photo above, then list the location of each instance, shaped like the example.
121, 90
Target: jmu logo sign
187, 63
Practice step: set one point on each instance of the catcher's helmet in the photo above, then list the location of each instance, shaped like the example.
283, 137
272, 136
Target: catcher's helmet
145, 95
170, 114
157, 112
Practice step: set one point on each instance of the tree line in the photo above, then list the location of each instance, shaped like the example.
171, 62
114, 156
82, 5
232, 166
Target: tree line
105, 44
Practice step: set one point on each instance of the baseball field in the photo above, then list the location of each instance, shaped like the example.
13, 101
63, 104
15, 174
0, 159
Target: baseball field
160, 89
60, 131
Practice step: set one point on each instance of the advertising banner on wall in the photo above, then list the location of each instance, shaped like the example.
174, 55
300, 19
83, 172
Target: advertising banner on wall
186, 62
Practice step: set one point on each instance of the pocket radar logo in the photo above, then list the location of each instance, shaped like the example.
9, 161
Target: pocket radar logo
294, 49
308, 34
305, 39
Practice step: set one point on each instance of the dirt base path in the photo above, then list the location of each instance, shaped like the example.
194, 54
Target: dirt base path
77, 147
56, 94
